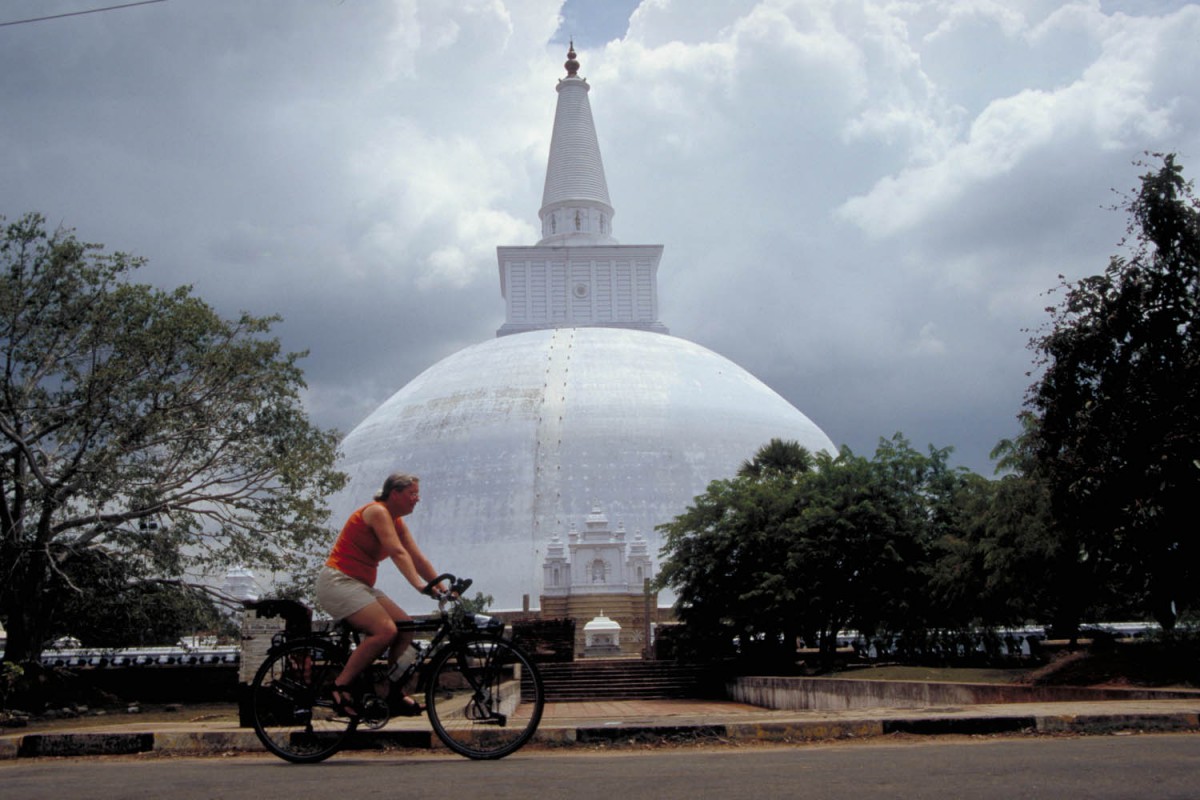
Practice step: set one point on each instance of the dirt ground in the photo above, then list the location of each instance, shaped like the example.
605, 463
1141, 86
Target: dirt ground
88, 717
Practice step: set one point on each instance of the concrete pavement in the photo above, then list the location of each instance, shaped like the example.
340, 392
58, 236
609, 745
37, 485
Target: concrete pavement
650, 721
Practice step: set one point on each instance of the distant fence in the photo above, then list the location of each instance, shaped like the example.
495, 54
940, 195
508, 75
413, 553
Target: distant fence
145, 674
79, 657
980, 644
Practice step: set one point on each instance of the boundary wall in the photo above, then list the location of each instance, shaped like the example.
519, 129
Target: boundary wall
843, 694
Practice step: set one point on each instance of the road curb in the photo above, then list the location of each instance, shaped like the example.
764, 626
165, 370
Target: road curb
961, 726
815, 731
209, 742
201, 742
35, 745
1113, 723
9, 748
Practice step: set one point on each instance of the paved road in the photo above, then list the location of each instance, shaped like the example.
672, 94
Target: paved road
1159, 766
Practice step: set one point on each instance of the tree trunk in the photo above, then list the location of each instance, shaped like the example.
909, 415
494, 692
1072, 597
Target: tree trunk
828, 648
23, 645
1164, 614
27, 626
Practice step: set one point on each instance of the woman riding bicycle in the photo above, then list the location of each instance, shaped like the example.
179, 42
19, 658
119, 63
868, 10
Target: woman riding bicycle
346, 584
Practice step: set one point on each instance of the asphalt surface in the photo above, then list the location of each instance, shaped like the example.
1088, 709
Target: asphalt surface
619, 723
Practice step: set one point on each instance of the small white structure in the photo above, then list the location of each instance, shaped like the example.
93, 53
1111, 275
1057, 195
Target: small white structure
602, 636
240, 584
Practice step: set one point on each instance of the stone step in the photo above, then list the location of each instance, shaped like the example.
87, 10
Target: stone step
627, 680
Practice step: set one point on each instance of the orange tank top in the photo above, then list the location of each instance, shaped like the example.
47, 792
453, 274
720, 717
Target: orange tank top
357, 551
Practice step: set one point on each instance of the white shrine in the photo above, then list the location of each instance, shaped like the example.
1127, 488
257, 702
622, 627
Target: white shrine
602, 637
599, 575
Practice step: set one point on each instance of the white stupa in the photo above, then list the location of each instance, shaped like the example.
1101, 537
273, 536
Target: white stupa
582, 397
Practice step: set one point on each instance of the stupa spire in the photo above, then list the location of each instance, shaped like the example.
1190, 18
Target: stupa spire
577, 275
575, 205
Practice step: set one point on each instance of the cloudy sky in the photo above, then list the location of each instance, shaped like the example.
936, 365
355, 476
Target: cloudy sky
863, 202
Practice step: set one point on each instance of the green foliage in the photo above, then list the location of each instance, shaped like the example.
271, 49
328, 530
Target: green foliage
10, 677
1117, 410
104, 604
1001, 566
138, 422
461, 612
479, 604
848, 543
777, 455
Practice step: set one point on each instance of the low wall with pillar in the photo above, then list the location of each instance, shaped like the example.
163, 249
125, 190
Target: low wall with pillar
842, 694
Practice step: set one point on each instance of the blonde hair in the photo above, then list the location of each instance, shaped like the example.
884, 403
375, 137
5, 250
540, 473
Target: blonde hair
397, 480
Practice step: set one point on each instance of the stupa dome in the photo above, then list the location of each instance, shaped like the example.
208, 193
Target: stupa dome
517, 438
583, 399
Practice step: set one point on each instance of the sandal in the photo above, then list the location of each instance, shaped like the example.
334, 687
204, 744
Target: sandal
404, 706
341, 704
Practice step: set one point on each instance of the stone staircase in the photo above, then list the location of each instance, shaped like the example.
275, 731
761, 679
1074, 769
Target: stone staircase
628, 679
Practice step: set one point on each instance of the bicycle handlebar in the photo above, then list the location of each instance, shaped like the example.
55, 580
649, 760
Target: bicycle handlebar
457, 585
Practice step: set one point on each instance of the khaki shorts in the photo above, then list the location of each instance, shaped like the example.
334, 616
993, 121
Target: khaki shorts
340, 595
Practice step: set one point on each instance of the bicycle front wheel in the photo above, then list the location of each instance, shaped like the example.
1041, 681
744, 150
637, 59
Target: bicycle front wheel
484, 697
293, 702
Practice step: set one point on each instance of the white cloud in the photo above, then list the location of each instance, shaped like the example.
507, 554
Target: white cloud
471, 257
1113, 105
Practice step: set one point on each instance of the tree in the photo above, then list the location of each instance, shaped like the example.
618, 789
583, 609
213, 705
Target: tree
1003, 564
722, 558
853, 554
1011, 563
804, 554
1117, 406
139, 422
777, 455
929, 503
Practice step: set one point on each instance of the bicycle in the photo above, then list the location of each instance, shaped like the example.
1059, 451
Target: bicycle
484, 697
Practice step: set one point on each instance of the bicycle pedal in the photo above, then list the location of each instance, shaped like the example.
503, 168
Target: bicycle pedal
500, 721
373, 712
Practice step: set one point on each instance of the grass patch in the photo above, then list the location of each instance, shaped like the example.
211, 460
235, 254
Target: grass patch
899, 672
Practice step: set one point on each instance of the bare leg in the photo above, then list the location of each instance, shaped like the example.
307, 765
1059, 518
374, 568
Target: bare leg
402, 639
399, 640
378, 631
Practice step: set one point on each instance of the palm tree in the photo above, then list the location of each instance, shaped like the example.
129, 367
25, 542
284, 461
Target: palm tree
777, 456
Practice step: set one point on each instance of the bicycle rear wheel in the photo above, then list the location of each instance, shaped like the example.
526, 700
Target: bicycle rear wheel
293, 704
484, 697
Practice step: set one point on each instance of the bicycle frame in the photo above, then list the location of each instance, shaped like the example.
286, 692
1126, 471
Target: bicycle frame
483, 695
